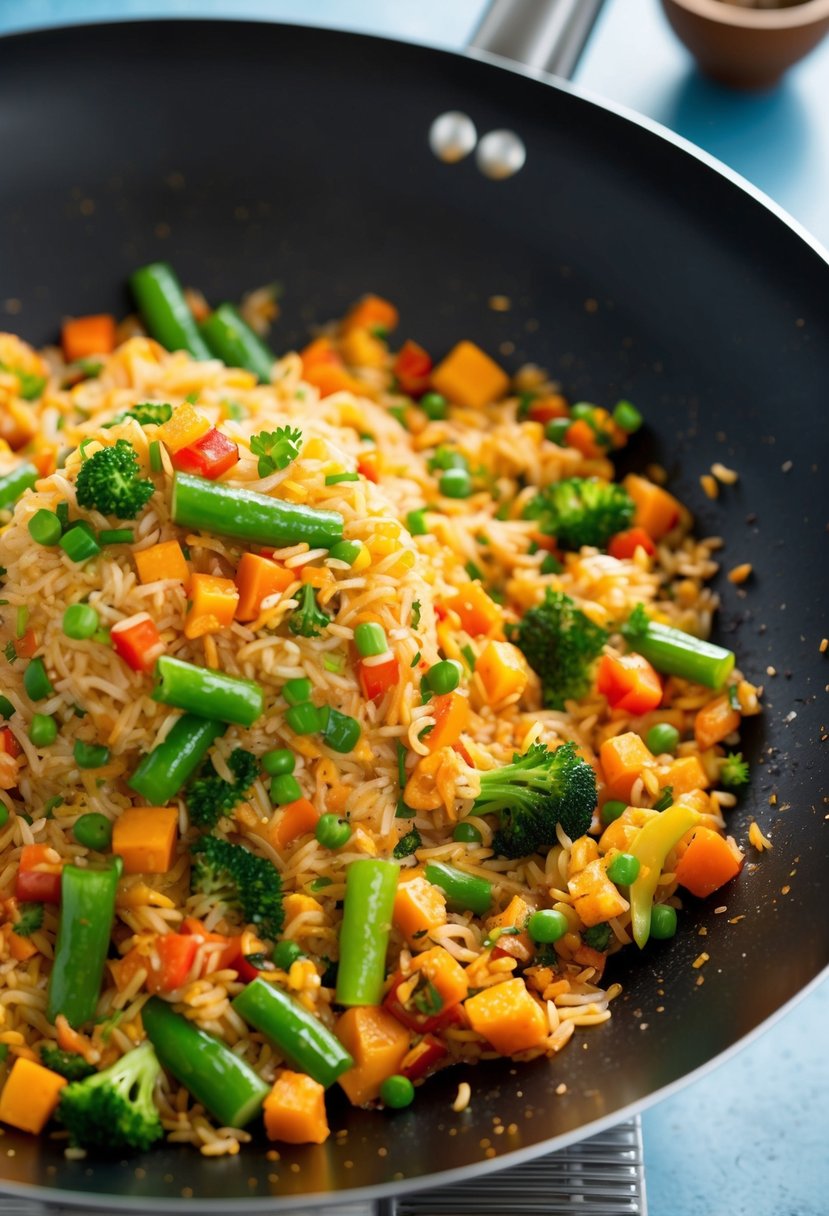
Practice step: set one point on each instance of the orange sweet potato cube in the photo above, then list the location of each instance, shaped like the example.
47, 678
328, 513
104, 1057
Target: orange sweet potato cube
377, 1043
30, 1096
419, 907
508, 1017
295, 1110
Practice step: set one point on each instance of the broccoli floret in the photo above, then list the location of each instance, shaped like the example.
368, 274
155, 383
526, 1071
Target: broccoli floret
276, 449
308, 619
535, 793
150, 413
68, 1063
114, 1109
733, 772
597, 936
245, 883
109, 481
29, 919
210, 797
581, 511
407, 845
560, 644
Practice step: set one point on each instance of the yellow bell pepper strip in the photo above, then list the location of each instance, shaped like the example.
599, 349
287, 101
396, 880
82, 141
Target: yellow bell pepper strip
651, 846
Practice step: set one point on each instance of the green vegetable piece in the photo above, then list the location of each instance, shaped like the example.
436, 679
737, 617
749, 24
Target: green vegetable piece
334, 479
416, 522
36, 682
556, 430
43, 730
444, 676
4, 815
278, 762
663, 922
464, 892
6, 708
80, 621
45, 527
226, 510
397, 1092
301, 1037
276, 449
234, 342
370, 889
581, 511
210, 797
171, 764
110, 481
94, 831
455, 483
345, 551
14, 484
248, 885
435, 406
651, 845
87, 910
662, 738
467, 833
114, 1110
547, 925
215, 1076
561, 644
67, 1063
624, 869
611, 810
339, 731
297, 692
407, 845
303, 719
285, 954
116, 536
78, 544
307, 620
90, 755
284, 789
332, 832
370, 639
29, 919
734, 770
597, 936
156, 459
211, 694
627, 416
675, 653
165, 311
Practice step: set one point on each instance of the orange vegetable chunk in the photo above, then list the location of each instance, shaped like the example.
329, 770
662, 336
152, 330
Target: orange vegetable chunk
371, 312
479, 614
629, 682
451, 712
514, 916
708, 862
30, 1096
657, 511
445, 972
164, 560
84, 336
294, 1110
622, 759
419, 907
502, 670
297, 819
715, 721
212, 607
685, 774
377, 1043
257, 578
469, 377
508, 1017
145, 838
184, 427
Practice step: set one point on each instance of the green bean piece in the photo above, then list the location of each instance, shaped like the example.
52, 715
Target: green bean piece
215, 1076
234, 342
676, 653
210, 694
79, 543
87, 910
370, 888
170, 765
464, 892
14, 484
45, 527
300, 1036
116, 536
225, 510
166, 314
90, 755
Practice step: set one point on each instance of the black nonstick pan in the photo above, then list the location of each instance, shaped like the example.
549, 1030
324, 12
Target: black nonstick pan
245, 153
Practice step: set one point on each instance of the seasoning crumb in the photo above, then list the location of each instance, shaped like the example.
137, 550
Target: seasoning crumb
771, 671
76, 1154
735, 920
660, 1008
382, 1151
728, 477
700, 980
756, 837
824, 645
500, 303
702, 931
591, 305
785, 890
13, 306
643, 1025
710, 486
512, 1129
490, 1152
701, 960
772, 800
739, 574
722, 908
787, 466
186, 1191
507, 348
657, 473
561, 1089
463, 1097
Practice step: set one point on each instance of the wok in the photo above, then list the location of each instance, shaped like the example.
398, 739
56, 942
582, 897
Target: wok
635, 267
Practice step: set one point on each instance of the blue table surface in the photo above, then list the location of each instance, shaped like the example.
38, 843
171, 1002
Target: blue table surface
748, 1138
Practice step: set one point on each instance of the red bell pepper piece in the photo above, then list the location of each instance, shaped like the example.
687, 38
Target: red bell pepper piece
422, 1058
377, 678
625, 544
137, 641
8, 742
411, 1017
209, 456
38, 877
176, 953
412, 368
629, 683
367, 466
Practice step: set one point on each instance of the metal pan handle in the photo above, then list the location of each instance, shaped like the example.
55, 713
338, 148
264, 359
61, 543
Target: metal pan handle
547, 35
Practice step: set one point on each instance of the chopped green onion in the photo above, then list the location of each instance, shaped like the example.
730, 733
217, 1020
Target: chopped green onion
90, 755
345, 551
416, 522
333, 662
297, 692
45, 527
14, 484
156, 465
339, 731
80, 621
21, 620
116, 536
334, 479
303, 719
78, 544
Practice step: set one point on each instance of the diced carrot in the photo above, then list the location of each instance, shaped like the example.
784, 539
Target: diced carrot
445, 973
629, 682
508, 1017
715, 721
622, 759
368, 465
126, 968
514, 916
478, 612
175, 953
361, 348
45, 459
412, 367
145, 838
297, 819
581, 436
257, 578
419, 907
708, 862
502, 670
213, 603
233, 943
184, 427
545, 409
323, 367
377, 1043
30, 1096
451, 713
657, 511
469, 377
81, 337
164, 560
595, 897
28, 644
624, 544
294, 1110
685, 774
372, 312
19, 948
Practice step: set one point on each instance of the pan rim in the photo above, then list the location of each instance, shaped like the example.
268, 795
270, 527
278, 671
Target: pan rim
101, 1201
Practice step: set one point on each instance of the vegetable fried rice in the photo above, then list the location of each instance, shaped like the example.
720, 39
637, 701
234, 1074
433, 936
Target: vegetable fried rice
354, 717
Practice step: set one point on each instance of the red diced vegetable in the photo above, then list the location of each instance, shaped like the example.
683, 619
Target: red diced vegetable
629, 682
38, 876
625, 544
209, 456
377, 678
176, 952
137, 641
412, 368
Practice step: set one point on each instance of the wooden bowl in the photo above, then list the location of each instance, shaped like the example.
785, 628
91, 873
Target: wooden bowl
748, 48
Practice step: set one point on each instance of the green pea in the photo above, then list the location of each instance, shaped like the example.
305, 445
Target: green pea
80, 621
370, 639
278, 762
397, 1092
455, 483
4, 815
435, 406
285, 953
627, 416
663, 921
36, 681
467, 833
93, 831
444, 676
303, 719
332, 832
43, 730
662, 738
284, 789
416, 522
583, 410
44, 527
556, 430
547, 925
90, 755
297, 692
612, 810
624, 869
